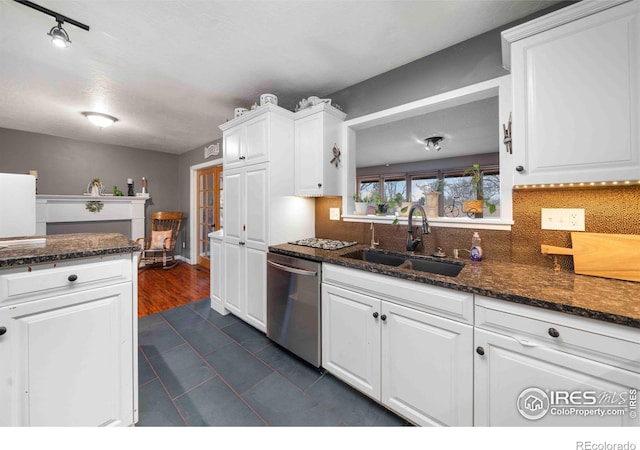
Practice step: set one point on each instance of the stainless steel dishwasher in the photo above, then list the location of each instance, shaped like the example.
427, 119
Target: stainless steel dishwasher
293, 305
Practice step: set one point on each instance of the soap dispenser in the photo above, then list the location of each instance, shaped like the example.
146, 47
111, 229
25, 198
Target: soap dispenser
476, 247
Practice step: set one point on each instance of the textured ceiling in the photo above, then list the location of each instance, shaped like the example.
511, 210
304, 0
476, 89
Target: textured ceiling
173, 70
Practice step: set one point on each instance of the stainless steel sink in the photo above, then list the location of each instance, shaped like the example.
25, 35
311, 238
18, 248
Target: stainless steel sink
420, 263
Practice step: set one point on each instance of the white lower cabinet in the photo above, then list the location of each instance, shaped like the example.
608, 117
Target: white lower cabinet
416, 363
540, 368
69, 359
245, 286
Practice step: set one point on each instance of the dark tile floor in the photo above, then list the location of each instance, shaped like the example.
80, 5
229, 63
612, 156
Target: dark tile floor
198, 368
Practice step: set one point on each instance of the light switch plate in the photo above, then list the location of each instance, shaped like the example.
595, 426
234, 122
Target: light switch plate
334, 213
570, 219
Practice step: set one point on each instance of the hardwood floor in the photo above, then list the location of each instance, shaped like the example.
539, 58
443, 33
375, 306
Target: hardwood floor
160, 289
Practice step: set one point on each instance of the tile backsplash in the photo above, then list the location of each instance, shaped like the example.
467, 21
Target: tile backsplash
607, 210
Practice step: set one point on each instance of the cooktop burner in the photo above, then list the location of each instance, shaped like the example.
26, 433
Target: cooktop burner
324, 244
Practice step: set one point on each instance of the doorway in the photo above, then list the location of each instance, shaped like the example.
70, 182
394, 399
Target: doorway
209, 210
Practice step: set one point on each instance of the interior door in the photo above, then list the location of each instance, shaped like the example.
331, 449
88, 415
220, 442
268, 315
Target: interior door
209, 209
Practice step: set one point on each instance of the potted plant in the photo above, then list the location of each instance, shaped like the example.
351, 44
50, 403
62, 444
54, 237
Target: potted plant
397, 201
381, 204
476, 202
362, 204
432, 194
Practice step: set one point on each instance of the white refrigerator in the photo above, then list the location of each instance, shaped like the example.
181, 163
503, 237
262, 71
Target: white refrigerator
17, 205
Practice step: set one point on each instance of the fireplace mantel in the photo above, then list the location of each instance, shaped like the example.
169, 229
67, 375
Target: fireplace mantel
73, 208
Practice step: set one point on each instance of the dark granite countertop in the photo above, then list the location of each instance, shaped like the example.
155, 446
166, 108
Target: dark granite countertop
593, 297
59, 247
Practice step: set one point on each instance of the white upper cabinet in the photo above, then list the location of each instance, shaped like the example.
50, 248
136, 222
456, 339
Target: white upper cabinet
318, 130
576, 94
248, 139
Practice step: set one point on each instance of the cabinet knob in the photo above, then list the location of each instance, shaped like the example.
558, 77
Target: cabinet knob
72, 277
480, 351
241, 243
375, 315
319, 185
519, 169
554, 333
242, 157
383, 317
3, 330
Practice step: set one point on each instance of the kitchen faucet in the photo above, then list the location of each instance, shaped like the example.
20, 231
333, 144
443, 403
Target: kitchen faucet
373, 237
412, 243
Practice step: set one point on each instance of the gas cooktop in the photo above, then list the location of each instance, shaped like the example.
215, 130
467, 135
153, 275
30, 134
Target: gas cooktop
324, 244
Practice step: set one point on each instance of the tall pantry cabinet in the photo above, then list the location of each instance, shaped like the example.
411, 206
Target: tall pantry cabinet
260, 206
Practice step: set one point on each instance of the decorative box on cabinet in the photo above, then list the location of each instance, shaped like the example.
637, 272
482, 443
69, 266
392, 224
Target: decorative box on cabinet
576, 93
317, 131
384, 337
260, 208
536, 367
68, 347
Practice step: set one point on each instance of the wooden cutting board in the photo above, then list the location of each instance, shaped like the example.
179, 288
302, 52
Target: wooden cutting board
602, 255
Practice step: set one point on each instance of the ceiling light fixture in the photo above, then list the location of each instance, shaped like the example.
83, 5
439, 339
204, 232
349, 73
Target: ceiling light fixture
433, 143
99, 119
59, 36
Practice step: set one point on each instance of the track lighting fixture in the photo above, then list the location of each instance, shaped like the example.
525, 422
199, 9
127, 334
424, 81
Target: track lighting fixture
59, 36
433, 142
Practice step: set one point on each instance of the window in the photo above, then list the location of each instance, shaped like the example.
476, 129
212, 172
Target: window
458, 188
421, 184
394, 186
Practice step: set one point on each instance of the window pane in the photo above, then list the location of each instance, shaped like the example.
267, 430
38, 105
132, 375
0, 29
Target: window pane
420, 185
392, 187
367, 188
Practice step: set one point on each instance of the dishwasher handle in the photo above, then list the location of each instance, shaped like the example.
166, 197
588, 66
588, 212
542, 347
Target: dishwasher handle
292, 269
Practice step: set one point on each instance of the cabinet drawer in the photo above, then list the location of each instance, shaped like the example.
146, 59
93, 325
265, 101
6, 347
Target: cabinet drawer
32, 282
443, 302
535, 327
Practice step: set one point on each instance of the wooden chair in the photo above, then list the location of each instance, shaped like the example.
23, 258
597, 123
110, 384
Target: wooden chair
160, 246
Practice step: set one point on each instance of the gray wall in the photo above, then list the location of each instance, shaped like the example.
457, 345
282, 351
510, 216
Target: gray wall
472, 61
66, 166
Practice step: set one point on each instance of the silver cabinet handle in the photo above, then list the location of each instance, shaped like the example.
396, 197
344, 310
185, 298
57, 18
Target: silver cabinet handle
292, 269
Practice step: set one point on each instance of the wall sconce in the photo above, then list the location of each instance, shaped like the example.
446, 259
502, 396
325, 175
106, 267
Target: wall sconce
99, 119
433, 143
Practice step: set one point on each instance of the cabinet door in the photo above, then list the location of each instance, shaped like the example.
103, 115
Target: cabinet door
508, 371
234, 276
68, 360
256, 201
577, 100
351, 338
255, 287
231, 147
256, 145
233, 205
427, 367
309, 165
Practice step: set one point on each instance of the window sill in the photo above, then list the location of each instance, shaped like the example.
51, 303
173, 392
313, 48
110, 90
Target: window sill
443, 222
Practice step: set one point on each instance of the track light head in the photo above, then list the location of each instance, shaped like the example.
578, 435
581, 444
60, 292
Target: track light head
433, 143
59, 37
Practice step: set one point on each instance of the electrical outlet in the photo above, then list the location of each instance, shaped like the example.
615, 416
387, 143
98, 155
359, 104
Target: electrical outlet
570, 219
334, 213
